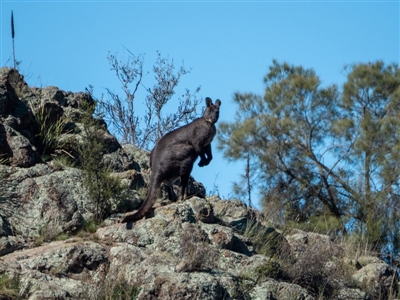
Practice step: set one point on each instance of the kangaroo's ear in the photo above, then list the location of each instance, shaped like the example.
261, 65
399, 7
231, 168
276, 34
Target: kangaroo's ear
208, 101
218, 103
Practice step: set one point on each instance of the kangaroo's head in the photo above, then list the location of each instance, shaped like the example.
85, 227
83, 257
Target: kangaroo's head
211, 113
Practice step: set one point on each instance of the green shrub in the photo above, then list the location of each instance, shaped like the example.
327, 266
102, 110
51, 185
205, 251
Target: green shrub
47, 129
103, 189
9, 287
90, 226
63, 160
62, 237
245, 283
266, 240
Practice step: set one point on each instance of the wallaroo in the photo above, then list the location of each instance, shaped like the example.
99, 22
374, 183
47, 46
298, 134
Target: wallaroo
175, 153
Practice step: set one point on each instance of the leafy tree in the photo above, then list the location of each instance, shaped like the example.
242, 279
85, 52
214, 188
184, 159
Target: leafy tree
322, 160
370, 130
120, 111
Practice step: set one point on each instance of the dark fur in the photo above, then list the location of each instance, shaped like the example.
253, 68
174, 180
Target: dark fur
175, 153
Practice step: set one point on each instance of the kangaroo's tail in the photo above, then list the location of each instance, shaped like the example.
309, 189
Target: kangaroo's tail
154, 189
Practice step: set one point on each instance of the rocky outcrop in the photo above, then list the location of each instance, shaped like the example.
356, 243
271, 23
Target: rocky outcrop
174, 256
19, 144
202, 248
39, 198
170, 256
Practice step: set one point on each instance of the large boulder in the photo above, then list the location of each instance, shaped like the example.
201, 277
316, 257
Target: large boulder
20, 105
380, 279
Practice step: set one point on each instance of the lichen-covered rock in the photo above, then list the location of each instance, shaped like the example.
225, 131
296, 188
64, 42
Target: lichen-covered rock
235, 213
10, 244
272, 289
380, 278
13, 86
123, 159
300, 240
18, 106
15, 121
60, 270
203, 210
351, 293
185, 286
42, 201
18, 148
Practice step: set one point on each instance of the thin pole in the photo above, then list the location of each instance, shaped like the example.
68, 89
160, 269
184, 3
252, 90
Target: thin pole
12, 36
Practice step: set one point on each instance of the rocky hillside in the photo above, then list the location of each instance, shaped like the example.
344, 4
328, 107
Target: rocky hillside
202, 248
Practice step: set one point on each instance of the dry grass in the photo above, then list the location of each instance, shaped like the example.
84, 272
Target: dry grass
118, 290
196, 252
316, 270
359, 252
9, 287
321, 268
355, 247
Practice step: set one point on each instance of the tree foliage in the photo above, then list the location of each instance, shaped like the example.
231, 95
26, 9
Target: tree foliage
324, 156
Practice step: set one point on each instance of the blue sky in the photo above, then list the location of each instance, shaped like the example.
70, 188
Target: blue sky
228, 44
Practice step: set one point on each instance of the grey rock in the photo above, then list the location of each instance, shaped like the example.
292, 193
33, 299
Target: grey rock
18, 148
379, 277
61, 269
280, 290
5, 229
44, 201
123, 159
300, 240
10, 244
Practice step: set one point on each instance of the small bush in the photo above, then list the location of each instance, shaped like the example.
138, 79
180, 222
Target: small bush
309, 270
62, 237
245, 283
270, 269
47, 129
102, 188
319, 267
90, 226
118, 290
241, 289
120, 111
62, 161
48, 233
313, 267
9, 287
266, 240
39, 241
